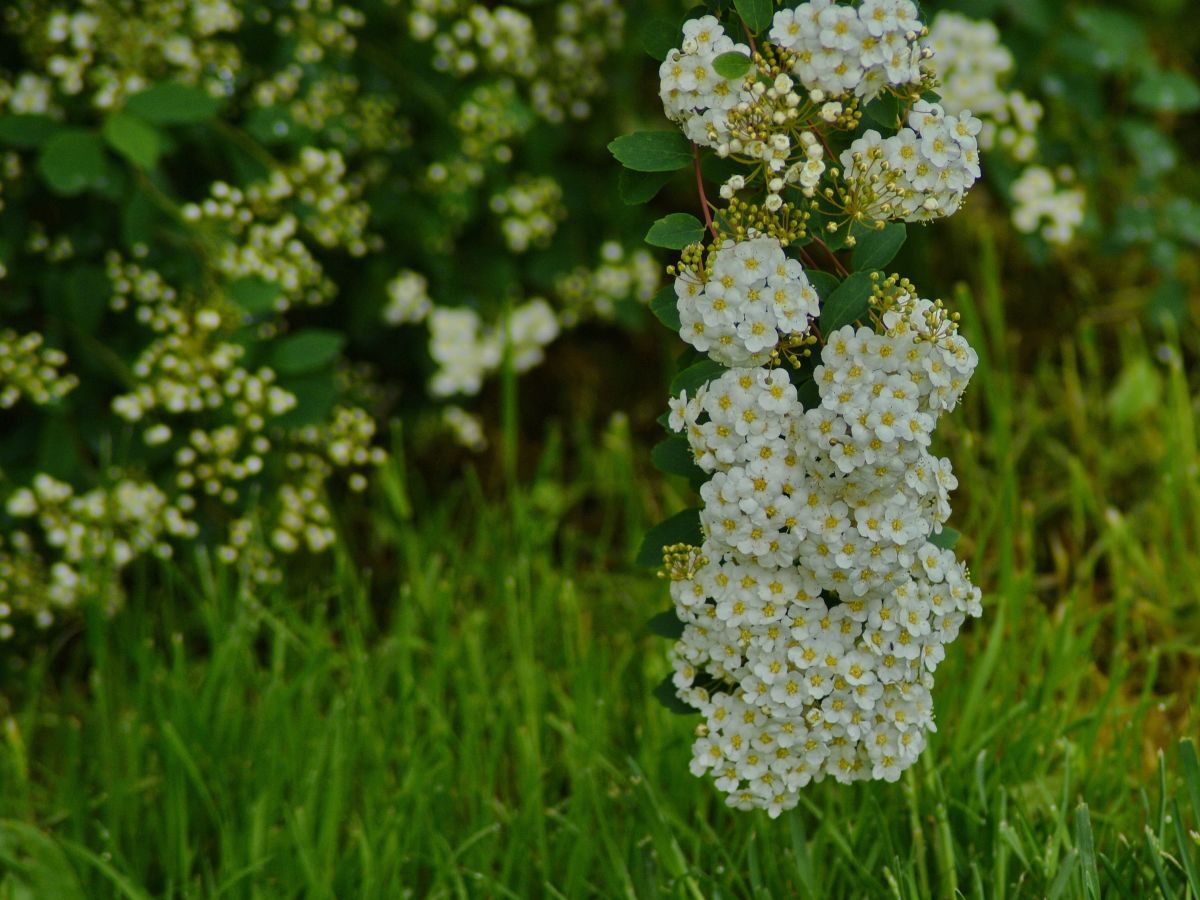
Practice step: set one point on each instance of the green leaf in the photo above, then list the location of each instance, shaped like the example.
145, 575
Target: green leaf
946, 538
315, 393
733, 64
666, 624
255, 295
137, 141
659, 37
877, 248
1168, 92
665, 694
73, 161
674, 457
172, 103
1115, 40
675, 231
652, 151
849, 303
757, 14
640, 187
27, 131
824, 283
691, 378
885, 110
1136, 393
1153, 151
306, 351
681, 528
665, 307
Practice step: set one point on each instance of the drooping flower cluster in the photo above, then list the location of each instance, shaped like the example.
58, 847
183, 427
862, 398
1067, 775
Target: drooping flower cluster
922, 172
818, 601
817, 609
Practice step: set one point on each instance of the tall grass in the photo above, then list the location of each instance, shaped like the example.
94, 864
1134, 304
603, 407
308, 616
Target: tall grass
473, 716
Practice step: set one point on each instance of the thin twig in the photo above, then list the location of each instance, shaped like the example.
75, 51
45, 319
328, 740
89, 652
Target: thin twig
708, 219
750, 38
842, 270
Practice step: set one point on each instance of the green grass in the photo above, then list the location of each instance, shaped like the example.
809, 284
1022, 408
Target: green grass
473, 718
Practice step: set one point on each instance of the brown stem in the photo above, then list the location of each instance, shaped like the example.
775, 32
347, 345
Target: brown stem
708, 219
842, 270
750, 38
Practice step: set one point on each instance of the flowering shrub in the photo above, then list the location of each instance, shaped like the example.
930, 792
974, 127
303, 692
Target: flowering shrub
815, 586
208, 209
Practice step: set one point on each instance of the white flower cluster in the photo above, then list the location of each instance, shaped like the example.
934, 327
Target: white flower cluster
846, 50
408, 299
817, 608
919, 173
1039, 200
466, 428
32, 370
267, 229
466, 353
91, 534
971, 65
693, 93
529, 210
750, 295
595, 292
561, 67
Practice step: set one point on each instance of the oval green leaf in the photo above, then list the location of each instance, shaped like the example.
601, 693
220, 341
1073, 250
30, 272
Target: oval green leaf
849, 303
675, 231
877, 248
757, 14
733, 64
172, 103
137, 141
72, 161
665, 307
652, 151
306, 351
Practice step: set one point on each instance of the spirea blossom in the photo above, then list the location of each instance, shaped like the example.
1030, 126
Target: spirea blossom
1039, 201
917, 174
847, 50
750, 296
818, 606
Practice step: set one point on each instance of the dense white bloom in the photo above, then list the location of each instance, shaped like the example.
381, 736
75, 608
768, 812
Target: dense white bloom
1039, 200
921, 172
845, 50
530, 328
817, 609
751, 296
408, 299
464, 353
